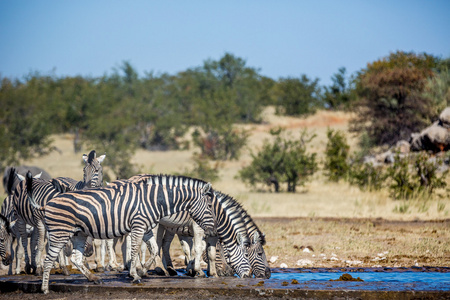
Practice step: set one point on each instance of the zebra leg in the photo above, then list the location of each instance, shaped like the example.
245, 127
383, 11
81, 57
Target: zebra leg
77, 258
155, 249
63, 263
126, 250
55, 245
99, 246
136, 240
150, 240
211, 250
199, 247
167, 260
40, 247
19, 254
112, 265
24, 241
143, 253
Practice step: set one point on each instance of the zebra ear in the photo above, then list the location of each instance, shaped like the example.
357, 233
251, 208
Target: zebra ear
101, 158
256, 238
21, 178
207, 188
241, 239
85, 158
37, 176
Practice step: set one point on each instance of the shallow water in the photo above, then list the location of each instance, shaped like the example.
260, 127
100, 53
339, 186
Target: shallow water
411, 276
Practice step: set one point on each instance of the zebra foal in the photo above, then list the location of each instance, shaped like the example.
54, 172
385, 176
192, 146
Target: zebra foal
128, 208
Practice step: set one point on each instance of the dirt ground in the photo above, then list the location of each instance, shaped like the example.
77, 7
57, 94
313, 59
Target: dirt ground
331, 243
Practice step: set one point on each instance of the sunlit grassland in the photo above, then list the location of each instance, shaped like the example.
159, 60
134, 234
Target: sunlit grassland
319, 198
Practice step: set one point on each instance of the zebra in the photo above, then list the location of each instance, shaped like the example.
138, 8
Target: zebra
43, 190
22, 170
7, 210
255, 250
231, 232
113, 211
93, 177
5, 241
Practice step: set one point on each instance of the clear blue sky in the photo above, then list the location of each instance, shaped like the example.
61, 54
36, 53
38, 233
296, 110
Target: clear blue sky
281, 38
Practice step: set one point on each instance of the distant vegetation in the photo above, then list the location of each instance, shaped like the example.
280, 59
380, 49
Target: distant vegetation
122, 111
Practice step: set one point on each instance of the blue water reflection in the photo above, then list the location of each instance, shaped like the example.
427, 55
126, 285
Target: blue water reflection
431, 277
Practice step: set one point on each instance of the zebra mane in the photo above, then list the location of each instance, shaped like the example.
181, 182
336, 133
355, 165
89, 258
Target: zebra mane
91, 156
171, 180
234, 210
11, 178
249, 223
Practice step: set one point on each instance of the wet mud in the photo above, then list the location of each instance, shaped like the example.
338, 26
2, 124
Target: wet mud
117, 285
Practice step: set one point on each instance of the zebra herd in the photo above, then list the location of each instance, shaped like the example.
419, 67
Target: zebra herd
144, 209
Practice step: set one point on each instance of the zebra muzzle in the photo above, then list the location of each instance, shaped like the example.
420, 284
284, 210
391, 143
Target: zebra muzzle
7, 260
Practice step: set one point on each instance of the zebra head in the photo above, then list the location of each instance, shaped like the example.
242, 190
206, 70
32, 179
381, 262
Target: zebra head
93, 171
5, 241
201, 210
257, 256
238, 256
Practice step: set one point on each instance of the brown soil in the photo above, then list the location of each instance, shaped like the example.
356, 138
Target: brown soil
288, 237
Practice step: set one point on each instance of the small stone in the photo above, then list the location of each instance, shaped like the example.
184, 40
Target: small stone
283, 266
273, 259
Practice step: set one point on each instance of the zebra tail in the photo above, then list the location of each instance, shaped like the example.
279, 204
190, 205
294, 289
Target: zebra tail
29, 184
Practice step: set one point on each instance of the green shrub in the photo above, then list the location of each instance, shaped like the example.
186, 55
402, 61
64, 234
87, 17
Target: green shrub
367, 176
336, 154
284, 160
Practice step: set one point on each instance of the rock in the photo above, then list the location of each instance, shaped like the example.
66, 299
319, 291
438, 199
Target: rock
444, 118
273, 259
283, 266
304, 262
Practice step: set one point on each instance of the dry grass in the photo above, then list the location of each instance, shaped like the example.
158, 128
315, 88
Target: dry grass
357, 242
350, 240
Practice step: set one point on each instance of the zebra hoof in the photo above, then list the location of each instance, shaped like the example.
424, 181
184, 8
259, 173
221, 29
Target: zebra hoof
172, 271
39, 271
28, 269
98, 281
159, 271
65, 271
136, 281
200, 274
99, 270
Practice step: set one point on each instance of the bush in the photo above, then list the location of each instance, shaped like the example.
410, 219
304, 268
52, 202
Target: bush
222, 143
284, 160
202, 169
336, 154
414, 176
367, 176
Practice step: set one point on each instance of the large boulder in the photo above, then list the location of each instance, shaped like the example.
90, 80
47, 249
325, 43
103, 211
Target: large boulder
434, 138
444, 118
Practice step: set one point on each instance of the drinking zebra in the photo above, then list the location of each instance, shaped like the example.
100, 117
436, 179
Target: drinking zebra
255, 250
130, 208
5, 241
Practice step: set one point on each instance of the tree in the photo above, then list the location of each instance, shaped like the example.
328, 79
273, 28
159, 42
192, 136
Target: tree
297, 96
336, 154
340, 94
392, 106
284, 160
25, 124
